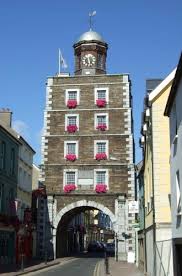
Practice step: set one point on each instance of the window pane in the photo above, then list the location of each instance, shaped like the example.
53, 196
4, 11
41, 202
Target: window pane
101, 94
70, 178
72, 120
101, 177
72, 95
101, 147
71, 148
101, 119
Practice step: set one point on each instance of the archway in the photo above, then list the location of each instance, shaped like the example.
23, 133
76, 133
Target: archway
65, 240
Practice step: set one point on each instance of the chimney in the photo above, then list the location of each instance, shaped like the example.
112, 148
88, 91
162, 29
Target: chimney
6, 116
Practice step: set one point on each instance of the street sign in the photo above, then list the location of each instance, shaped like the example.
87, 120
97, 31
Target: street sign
133, 207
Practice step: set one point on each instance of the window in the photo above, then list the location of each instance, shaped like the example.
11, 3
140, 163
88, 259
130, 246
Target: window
12, 162
101, 94
70, 177
3, 155
71, 122
100, 149
72, 95
101, 121
101, 177
178, 194
71, 149
1, 198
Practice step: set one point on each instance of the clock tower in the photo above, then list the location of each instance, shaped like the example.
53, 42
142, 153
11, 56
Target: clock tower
90, 52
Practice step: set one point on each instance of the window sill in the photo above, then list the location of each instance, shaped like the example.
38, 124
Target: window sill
179, 214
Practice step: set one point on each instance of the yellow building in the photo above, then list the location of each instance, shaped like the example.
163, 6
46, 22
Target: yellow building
156, 151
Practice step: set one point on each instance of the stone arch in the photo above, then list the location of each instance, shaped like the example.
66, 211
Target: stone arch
84, 203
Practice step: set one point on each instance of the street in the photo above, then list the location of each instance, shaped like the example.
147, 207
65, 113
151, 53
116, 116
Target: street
80, 267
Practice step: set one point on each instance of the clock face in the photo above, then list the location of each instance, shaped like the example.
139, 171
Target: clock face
88, 60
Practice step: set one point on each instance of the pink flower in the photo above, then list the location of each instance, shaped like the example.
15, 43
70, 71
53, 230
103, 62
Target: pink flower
71, 103
71, 128
102, 126
71, 157
69, 187
101, 188
101, 103
101, 156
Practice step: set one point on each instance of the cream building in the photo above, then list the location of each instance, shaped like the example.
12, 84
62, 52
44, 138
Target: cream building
156, 151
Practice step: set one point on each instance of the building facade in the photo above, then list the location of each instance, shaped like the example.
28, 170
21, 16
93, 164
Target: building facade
174, 112
9, 148
155, 130
87, 145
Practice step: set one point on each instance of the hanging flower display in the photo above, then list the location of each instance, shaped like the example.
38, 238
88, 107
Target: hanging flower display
101, 188
71, 103
101, 156
71, 157
71, 128
69, 187
101, 103
102, 127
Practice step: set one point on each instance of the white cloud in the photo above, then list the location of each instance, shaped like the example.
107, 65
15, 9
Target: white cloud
21, 128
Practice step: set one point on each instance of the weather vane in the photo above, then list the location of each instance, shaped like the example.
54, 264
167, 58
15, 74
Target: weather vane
91, 14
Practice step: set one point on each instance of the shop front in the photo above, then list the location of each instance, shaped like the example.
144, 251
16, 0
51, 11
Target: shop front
7, 245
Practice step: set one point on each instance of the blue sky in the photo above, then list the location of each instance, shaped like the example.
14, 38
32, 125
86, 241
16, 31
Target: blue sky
144, 40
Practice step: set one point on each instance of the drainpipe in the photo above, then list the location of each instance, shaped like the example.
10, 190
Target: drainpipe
154, 224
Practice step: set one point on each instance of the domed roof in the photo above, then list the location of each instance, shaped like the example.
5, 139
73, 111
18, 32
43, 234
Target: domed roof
90, 35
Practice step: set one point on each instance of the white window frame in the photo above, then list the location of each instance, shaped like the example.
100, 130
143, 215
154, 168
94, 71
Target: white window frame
102, 88
64, 176
72, 89
71, 115
101, 114
101, 141
107, 177
70, 142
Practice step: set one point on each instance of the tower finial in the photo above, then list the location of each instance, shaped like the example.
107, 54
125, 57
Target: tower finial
91, 14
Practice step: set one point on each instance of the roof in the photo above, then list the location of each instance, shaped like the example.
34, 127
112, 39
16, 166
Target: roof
89, 36
10, 133
174, 88
161, 86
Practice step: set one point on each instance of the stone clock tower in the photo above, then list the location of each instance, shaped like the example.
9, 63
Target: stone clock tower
87, 149
90, 54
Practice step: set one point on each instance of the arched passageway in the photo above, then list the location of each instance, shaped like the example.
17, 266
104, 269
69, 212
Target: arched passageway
81, 222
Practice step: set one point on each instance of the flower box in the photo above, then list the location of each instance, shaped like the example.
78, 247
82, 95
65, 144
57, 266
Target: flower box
101, 103
101, 188
71, 103
69, 187
101, 156
71, 128
102, 127
71, 157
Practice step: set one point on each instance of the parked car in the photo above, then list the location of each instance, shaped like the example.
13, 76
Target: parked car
95, 246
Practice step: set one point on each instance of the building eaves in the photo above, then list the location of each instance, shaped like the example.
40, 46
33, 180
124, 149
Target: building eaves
174, 88
161, 86
10, 133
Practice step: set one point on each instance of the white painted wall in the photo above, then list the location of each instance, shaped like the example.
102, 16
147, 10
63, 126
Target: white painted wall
176, 159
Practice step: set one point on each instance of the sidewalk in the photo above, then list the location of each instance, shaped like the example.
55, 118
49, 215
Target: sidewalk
118, 268
13, 271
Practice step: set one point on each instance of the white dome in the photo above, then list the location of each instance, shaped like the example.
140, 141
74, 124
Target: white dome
90, 35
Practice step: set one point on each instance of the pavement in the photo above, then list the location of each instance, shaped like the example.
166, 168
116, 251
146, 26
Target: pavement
33, 267
117, 269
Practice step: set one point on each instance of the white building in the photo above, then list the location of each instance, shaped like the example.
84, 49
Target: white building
174, 112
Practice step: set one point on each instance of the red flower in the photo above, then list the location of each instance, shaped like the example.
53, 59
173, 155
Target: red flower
71, 157
71, 128
101, 103
69, 187
101, 188
71, 103
102, 126
101, 156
